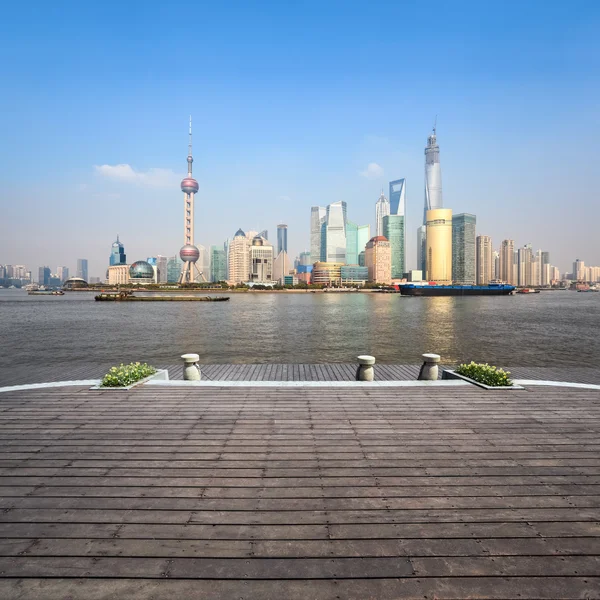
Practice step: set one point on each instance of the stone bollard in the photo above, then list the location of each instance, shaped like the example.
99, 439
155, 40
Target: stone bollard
429, 369
191, 370
366, 370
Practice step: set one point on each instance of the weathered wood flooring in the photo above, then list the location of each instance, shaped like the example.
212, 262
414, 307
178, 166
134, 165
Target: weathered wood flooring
278, 372
300, 493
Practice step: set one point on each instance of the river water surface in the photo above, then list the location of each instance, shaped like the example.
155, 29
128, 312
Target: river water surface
546, 329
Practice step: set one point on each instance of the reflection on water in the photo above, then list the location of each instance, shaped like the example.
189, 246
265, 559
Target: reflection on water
552, 328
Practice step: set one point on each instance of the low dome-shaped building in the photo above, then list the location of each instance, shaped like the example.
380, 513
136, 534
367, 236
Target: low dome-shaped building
75, 283
141, 272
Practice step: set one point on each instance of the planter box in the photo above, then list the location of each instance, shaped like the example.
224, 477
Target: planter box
449, 374
161, 374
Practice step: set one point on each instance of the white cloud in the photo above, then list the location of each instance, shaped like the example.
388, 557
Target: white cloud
126, 173
372, 171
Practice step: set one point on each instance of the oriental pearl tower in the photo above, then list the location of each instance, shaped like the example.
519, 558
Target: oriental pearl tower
189, 254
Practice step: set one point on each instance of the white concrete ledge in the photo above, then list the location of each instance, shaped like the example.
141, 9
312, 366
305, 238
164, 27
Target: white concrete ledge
582, 386
353, 384
52, 384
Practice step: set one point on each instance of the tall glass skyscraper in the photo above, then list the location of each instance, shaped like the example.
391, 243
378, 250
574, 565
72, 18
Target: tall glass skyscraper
335, 233
318, 214
351, 243
382, 208
463, 248
82, 268
393, 230
397, 197
282, 238
117, 254
433, 176
364, 235
218, 264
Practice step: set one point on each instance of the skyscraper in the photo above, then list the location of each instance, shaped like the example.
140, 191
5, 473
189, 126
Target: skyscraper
382, 208
43, 275
364, 235
463, 248
433, 195
282, 238
393, 231
398, 197
525, 261
335, 233
239, 268
507, 260
378, 258
63, 273
174, 265
484, 259
318, 215
82, 268
161, 265
351, 243
117, 254
546, 272
439, 245
218, 264
578, 270
189, 254
433, 176
261, 261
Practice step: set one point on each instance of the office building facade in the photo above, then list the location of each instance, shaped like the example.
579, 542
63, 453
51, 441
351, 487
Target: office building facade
82, 268
382, 208
485, 262
378, 259
393, 231
239, 267
218, 264
439, 245
282, 238
335, 233
463, 248
318, 216
507, 262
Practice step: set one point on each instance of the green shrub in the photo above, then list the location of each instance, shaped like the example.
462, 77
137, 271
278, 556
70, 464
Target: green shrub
125, 375
484, 373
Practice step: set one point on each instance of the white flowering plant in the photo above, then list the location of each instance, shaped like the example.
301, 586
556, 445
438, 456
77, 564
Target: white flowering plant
125, 375
486, 374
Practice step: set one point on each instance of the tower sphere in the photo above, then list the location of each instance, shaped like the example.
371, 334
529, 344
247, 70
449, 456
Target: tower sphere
189, 253
189, 185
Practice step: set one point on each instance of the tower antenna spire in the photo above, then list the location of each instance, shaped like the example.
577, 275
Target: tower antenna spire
190, 144
434, 127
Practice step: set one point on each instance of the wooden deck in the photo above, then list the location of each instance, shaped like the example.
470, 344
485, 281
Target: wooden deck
277, 372
299, 493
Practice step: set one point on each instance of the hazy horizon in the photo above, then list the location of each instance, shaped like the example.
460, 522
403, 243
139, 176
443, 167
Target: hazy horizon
293, 107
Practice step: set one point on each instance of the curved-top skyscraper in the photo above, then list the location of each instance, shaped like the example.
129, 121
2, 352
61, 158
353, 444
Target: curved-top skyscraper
433, 176
189, 254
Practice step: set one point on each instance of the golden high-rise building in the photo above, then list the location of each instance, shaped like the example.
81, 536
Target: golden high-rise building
439, 245
507, 262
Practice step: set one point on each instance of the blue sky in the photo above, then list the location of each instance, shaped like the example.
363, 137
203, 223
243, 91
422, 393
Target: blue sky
291, 103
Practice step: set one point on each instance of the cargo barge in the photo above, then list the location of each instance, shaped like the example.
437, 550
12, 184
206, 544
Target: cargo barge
494, 289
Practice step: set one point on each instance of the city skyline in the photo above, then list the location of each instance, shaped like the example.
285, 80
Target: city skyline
510, 139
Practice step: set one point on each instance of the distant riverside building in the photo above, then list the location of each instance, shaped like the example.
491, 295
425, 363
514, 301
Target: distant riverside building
82, 268
174, 265
318, 215
218, 264
393, 231
353, 274
439, 245
546, 269
484, 259
378, 258
54, 281
119, 275
496, 265
161, 265
95, 280
327, 273
261, 261
507, 261
281, 266
304, 268
382, 208
463, 248
335, 232
525, 261
43, 275
421, 248
579, 270
117, 254
282, 238
351, 243
239, 256
63, 273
